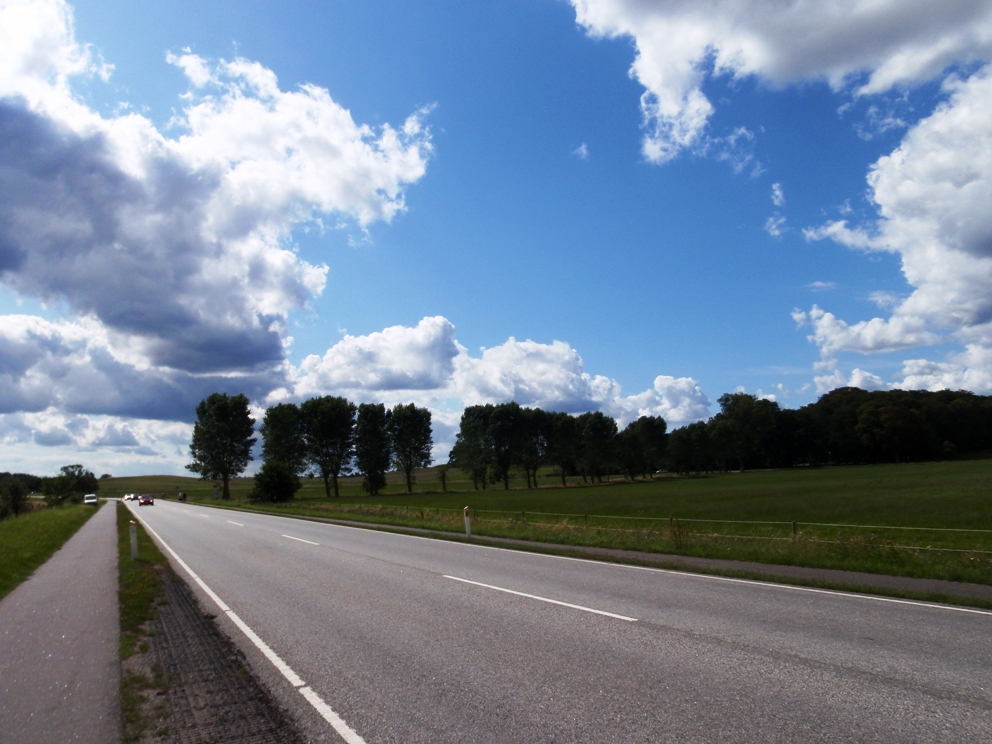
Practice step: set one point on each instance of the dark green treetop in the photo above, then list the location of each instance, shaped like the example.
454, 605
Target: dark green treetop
412, 440
328, 436
222, 438
372, 445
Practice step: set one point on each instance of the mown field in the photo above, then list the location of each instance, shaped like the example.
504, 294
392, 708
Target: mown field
919, 519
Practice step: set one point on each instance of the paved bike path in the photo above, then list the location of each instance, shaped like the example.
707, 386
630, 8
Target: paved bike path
59, 640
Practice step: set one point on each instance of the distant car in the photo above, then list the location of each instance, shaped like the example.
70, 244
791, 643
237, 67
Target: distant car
90, 498
146, 498
130, 497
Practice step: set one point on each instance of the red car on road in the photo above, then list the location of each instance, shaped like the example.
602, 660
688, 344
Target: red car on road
146, 498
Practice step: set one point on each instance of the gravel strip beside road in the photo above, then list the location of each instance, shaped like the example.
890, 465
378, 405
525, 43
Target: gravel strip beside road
211, 696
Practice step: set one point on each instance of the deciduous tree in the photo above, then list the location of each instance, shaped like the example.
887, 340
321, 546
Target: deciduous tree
329, 435
282, 437
412, 441
12, 495
222, 438
372, 446
70, 484
275, 481
472, 452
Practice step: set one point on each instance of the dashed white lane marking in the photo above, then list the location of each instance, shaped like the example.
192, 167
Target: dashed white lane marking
545, 599
237, 523
308, 542
325, 711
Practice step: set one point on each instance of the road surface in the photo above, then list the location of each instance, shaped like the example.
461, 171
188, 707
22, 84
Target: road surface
375, 637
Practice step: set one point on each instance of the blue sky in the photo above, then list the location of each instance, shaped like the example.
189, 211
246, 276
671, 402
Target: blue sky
632, 206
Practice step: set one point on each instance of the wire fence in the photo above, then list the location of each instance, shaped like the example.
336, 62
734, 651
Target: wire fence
680, 529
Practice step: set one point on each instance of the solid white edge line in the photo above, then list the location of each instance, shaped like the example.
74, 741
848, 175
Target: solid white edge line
237, 523
308, 542
683, 574
544, 599
325, 711
343, 729
271, 655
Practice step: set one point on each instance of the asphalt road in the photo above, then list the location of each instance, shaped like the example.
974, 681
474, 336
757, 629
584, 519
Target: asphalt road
388, 631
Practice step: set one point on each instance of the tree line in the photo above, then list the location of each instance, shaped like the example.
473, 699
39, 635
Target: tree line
71, 484
328, 437
325, 437
493, 439
846, 425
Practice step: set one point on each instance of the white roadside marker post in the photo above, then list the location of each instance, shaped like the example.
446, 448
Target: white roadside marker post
134, 541
468, 524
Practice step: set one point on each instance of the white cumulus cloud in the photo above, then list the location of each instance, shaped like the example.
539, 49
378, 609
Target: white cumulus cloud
932, 194
867, 46
179, 244
426, 364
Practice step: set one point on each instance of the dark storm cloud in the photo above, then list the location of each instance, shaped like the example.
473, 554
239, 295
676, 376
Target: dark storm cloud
75, 227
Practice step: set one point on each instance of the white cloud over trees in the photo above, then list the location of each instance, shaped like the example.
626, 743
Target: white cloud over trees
171, 254
426, 364
932, 194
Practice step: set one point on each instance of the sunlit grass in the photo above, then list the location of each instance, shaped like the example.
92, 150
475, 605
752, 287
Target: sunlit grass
29, 540
716, 515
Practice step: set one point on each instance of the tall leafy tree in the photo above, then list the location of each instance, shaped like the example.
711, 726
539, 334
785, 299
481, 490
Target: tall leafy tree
533, 442
752, 426
598, 443
412, 441
13, 494
472, 452
562, 442
505, 429
222, 438
328, 436
282, 437
372, 446
69, 485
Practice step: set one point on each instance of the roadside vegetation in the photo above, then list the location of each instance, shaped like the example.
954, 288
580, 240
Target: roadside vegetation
139, 591
30, 539
739, 516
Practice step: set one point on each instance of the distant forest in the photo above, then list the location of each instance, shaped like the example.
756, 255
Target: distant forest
31, 482
847, 425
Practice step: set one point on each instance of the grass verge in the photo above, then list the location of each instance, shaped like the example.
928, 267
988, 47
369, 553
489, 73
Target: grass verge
576, 551
29, 540
862, 549
139, 591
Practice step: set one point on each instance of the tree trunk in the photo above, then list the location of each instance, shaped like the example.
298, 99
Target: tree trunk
227, 489
409, 480
327, 486
335, 486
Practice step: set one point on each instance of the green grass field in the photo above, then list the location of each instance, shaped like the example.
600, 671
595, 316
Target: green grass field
29, 540
953, 498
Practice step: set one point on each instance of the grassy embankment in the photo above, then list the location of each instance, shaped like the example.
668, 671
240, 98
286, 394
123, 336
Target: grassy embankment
139, 589
29, 540
740, 516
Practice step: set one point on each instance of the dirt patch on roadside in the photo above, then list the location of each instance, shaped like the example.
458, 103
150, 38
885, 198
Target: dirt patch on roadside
189, 684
